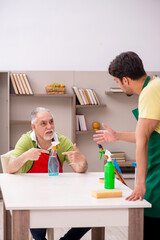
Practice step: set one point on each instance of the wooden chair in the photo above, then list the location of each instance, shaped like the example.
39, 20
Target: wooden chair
4, 162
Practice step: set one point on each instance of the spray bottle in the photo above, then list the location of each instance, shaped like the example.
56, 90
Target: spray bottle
109, 172
53, 164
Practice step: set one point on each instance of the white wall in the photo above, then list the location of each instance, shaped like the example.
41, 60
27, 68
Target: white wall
77, 34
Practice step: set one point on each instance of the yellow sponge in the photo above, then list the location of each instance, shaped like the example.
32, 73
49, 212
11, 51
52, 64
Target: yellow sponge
101, 180
108, 193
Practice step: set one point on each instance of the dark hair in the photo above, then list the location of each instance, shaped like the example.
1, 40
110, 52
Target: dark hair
127, 64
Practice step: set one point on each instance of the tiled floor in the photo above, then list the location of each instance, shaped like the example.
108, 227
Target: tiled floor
114, 233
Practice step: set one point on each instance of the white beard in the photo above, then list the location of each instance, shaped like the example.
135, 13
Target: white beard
48, 137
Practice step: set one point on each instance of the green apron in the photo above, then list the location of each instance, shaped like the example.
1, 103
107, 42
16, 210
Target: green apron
153, 174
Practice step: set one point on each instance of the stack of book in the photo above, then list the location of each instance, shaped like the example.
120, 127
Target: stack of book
120, 156
81, 123
20, 84
85, 96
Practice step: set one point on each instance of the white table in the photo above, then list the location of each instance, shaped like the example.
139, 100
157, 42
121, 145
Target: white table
39, 200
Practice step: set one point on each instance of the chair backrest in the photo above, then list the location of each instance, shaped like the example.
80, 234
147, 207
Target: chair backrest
5, 159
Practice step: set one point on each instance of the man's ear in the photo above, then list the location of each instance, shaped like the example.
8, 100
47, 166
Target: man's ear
125, 80
33, 126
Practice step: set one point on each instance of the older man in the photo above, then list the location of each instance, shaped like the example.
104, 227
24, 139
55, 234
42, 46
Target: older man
31, 155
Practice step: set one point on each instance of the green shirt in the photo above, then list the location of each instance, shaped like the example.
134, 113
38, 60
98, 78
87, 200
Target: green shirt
25, 143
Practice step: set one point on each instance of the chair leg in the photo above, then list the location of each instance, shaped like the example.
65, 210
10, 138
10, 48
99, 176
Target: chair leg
30, 236
50, 233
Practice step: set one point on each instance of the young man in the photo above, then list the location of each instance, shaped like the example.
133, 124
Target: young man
127, 70
31, 155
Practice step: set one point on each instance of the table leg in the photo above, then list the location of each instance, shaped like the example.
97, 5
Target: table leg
136, 221
50, 233
6, 228
8, 225
20, 225
98, 233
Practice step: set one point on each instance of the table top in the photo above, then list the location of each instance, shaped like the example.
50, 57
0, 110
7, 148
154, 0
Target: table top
67, 191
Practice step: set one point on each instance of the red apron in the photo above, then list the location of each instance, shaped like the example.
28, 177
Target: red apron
41, 165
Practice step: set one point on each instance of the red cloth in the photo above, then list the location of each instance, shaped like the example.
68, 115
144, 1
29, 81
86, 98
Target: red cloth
41, 165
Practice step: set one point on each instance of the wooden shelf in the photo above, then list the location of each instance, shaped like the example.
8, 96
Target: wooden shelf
110, 92
65, 95
91, 106
14, 122
84, 132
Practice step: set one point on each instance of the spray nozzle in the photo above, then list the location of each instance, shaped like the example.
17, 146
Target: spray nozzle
101, 153
108, 155
54, 144
58, 145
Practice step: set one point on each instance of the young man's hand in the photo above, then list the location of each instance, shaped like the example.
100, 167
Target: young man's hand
107, 135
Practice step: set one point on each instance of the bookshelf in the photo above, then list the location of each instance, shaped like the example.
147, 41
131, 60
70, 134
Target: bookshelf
87, 107
22, 122
86, 99
74, 110
16, 108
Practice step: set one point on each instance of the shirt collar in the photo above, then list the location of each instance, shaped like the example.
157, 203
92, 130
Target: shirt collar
54, 139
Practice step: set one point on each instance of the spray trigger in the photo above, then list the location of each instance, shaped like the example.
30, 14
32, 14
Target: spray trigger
101, 153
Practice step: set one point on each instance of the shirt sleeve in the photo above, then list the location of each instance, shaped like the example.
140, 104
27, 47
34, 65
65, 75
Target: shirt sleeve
20, 147
24, 144
149, 103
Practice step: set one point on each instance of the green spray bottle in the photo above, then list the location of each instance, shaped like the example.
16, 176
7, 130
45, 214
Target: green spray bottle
109, 172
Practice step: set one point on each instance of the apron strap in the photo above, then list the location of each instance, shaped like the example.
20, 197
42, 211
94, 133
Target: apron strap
146, 82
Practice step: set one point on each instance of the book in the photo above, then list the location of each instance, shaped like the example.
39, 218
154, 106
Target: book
20, 83
14, 84
119, 156
17, 83
24, 84
93, 97
27, 83
96, 96
87, 96
82, 123
118, 153
82, 96
79, 98
90, 97
77, 123
120, 161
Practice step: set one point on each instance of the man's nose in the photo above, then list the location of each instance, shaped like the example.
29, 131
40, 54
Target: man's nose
49, 125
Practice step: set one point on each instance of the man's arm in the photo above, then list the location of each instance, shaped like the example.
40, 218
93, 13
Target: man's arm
78, 160
109, 135
15, 164
143, 131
